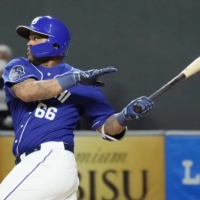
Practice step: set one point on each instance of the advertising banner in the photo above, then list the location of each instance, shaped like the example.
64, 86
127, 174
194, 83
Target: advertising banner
131, 169
182, 167
6, 157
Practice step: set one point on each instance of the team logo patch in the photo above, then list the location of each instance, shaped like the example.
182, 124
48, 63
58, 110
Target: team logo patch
16, 72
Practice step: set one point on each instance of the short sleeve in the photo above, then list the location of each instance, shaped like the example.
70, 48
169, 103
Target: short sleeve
17, 70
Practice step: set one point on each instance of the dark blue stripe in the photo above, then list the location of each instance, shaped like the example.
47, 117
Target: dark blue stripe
28, 175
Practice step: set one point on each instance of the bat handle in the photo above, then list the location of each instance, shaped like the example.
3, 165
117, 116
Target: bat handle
137, 108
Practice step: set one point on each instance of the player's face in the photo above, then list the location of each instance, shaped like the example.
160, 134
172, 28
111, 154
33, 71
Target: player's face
34, 38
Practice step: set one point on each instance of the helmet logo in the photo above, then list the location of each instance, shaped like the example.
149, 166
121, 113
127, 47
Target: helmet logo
35, 20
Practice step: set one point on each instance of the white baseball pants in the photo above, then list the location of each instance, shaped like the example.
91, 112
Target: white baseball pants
47, 174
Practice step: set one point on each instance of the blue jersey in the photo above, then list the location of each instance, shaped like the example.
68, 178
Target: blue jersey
53, 119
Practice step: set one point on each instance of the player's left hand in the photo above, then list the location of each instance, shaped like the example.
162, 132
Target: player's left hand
128, 113
90, 77
84, 77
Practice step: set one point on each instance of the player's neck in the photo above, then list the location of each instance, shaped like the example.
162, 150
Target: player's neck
48, 62
51, 63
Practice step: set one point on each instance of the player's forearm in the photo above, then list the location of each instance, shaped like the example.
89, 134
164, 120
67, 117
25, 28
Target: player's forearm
112, 127
32, 90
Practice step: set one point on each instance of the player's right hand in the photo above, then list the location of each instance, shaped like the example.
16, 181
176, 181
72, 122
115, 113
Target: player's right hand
91, 77
128, 113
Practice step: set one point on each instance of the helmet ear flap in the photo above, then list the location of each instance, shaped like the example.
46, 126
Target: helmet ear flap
43, 50
46, 49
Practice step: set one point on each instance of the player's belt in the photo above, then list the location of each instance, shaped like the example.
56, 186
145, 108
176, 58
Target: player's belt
66, 147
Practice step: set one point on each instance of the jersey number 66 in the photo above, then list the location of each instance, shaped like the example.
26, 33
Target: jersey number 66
47, 112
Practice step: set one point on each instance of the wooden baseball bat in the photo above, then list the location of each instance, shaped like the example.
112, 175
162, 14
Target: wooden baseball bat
190, 70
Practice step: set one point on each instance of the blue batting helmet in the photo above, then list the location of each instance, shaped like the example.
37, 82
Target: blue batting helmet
58, 39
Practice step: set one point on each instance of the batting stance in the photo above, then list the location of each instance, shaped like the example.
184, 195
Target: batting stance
46, 97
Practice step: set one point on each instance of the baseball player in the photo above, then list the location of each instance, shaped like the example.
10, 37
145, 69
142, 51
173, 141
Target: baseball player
46, 97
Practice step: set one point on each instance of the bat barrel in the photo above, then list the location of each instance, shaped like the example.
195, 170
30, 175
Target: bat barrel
193, 68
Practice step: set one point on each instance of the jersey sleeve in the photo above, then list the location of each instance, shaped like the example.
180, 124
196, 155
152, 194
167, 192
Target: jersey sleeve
16, 71
96, 107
